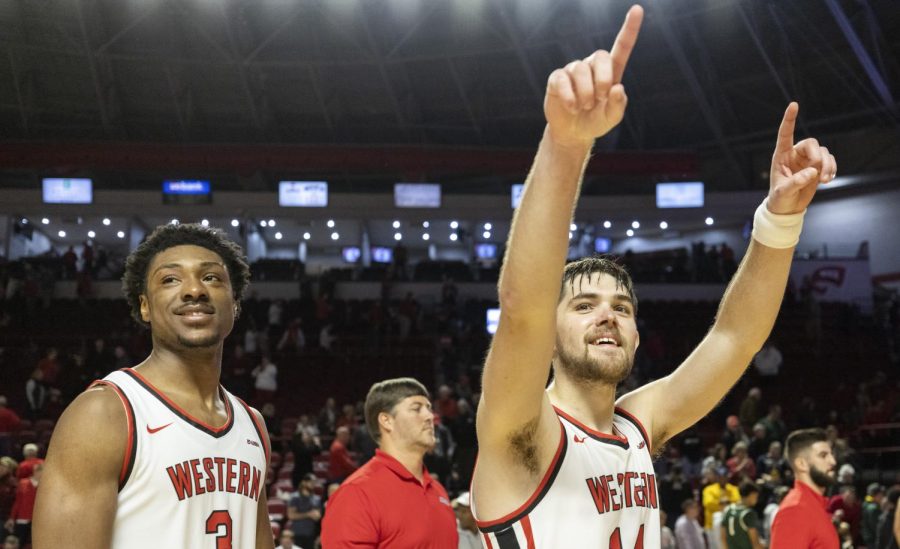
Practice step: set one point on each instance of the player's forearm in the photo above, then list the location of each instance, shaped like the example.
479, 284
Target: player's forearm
751, 302
538, 240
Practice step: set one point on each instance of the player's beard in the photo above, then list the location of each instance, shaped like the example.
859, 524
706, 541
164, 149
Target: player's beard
820, 478
204, 343
587, 368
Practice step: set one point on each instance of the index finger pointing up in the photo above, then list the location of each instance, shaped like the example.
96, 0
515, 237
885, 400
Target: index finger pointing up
625, 41
786, 131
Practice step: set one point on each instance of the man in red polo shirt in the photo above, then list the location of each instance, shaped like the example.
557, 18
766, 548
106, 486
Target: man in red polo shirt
802, 521
392, 501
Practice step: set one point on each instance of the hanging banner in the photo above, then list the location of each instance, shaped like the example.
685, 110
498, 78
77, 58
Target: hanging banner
846, 280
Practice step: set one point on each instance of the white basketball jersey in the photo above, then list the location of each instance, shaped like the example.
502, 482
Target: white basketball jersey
183, 483
599, 491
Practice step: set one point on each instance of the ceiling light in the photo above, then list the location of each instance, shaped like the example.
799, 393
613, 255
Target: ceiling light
271, 223
263, 223
635, 225
235, 222
454, 237
24, 221
106, 221
121, 234
488, 227
425, 224
45, 221
663, 225
607, 224
709, 221
335, 236
486, 234
278, 235
396, 224
571, 234
398, 236
204, 222
92, 234
62, 234
330, 223
306, 236
454, 224
573, 227
629, 232
425, 236
174, 221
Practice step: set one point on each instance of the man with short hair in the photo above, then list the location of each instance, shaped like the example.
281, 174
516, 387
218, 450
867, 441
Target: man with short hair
287, 541
392, 501
465, 523
871, 509
305, 511
26, 467
688, 531
740, 524
569, 464
340, 463
802, 520
161, 455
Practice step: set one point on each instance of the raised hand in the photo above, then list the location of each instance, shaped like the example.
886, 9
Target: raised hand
797, 169
586, 99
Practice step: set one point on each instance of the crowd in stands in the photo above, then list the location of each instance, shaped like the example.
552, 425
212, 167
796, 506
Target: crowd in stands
307, 364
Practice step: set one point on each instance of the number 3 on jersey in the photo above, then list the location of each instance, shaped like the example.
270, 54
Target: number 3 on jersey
215, 520
615, 540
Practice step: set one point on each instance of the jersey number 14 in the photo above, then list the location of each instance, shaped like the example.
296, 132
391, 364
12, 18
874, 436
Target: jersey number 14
615, 540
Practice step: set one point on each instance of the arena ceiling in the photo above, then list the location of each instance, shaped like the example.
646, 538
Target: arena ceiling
708, 77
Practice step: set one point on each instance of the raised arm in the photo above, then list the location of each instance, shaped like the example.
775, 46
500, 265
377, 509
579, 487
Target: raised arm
80, 483
751, 302
584, 101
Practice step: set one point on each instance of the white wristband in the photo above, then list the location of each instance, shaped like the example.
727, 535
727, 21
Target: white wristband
775, 230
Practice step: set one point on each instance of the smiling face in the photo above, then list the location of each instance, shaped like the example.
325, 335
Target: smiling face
596, 331
188, 299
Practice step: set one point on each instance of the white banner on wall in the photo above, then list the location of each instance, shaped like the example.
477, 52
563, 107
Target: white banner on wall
846, 280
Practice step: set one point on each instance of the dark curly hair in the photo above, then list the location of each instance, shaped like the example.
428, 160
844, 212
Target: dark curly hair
588, 266
134, 281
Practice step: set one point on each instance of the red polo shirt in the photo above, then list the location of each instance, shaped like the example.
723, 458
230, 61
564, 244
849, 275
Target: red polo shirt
383, 505
802, 521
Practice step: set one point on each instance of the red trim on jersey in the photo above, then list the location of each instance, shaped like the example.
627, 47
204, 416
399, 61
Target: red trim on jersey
538, 491
526, 528
131, 446
260, 429
159, 394
631, 417
588, 430
487, 541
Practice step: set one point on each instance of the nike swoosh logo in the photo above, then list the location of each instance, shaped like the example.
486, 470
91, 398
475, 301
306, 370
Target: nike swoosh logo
580, 441
157, 429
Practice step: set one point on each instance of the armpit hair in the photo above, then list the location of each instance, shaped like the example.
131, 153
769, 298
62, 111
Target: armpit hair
523, 446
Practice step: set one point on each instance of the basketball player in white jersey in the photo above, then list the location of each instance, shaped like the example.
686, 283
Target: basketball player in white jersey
160, 455
568, 465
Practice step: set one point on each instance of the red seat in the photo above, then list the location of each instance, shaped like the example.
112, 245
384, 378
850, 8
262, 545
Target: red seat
277, 510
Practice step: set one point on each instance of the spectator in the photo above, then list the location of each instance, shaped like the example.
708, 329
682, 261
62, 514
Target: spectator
23, 509
340, 464
771, 466
305, 447
718, 456
666, 536
49, 367
740, 466
847, 502
469, 536
305, 512
768, 360
11, 542
266, 383
293, 339
236, 372
36, 394
286, 541
886, 535
26, 467
871, 510
750, 411
759, 442
740, 524
734, 433
8, 484
347, 418
720, 490
688, 531
327, 337
328, 417
445, 405
775, 428
9, 425
802, 520
771, 510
